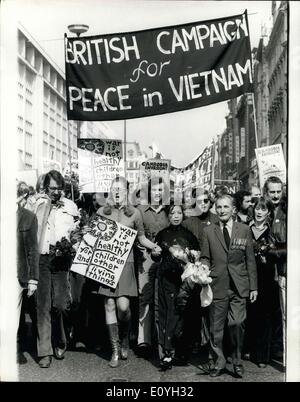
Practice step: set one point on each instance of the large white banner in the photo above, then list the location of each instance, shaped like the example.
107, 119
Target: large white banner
99, 161
270, 162
103, 251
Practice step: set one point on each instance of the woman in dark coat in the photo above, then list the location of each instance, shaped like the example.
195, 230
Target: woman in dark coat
169, 280
262, 311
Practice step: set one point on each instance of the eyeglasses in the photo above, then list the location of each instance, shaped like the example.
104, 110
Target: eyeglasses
205, 201
55, 189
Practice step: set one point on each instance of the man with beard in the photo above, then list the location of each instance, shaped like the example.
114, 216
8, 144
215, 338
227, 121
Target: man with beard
242, 200
273, 190
53, 291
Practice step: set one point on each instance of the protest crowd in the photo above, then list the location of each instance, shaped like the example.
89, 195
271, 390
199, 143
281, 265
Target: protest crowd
206, 273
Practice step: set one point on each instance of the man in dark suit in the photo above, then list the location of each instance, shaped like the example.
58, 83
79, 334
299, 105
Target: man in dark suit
227, 249
27, 260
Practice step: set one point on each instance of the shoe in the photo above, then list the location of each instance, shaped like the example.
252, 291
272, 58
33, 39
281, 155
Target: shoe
166, 363
59, 353
143, 350
246, 356
45, 362
216, 372
124, 339
207, 367
80, 345
239, 370
262, 365
113, 331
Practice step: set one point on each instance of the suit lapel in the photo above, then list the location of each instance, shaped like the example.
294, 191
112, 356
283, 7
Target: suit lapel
220, 236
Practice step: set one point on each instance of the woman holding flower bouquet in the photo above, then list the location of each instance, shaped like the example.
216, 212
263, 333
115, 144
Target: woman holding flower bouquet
260, 313
176, 243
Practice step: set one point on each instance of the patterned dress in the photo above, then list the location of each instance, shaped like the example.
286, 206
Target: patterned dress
127, 285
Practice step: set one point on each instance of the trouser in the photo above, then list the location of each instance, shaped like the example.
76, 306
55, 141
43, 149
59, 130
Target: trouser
146, 281
53, 301
282, 299
78, 314
25, 304
233, 309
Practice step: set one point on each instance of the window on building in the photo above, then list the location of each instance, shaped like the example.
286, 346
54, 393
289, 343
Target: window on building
45, 149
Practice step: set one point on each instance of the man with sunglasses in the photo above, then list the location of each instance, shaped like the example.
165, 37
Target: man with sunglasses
205, 217
53, 292
196, 224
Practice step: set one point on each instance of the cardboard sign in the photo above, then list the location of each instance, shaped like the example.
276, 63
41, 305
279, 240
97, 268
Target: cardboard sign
155, 168
100, 161
270, 162
155, 71
103, 252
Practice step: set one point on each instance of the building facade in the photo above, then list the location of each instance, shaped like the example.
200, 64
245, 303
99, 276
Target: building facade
276, 55
45, 135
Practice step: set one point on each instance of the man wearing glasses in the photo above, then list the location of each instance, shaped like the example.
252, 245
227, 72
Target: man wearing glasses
53, 292
205, 217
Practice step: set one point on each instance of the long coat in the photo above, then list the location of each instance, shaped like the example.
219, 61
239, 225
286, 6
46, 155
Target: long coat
27, 247
236, 263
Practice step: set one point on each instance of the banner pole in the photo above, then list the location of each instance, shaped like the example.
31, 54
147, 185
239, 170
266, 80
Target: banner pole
212, 180
125, 150
254, 120
70, 160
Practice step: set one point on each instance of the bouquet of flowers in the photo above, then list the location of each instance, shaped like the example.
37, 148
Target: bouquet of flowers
62, 254
195, 271
262, 249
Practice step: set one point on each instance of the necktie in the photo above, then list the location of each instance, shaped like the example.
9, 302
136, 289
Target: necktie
226, 235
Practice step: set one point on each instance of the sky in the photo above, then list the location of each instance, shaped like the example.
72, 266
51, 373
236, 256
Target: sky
180, 136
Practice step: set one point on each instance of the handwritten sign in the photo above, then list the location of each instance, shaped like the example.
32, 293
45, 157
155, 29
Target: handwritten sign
103, 252
270, 162
100, 161
155, 71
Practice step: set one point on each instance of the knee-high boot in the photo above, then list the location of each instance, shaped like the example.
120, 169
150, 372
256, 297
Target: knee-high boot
124, 338
114, 340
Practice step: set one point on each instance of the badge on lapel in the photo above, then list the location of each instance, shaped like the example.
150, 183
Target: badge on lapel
238, 244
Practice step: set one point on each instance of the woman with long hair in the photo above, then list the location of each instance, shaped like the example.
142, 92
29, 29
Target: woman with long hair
116, 303
262, 311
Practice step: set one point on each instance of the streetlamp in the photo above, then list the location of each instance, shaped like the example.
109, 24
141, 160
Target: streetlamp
76, 29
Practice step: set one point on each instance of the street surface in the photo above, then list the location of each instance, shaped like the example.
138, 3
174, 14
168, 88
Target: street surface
80, 366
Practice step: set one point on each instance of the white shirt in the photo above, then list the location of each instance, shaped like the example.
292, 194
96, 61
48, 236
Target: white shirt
229, 225
60, 223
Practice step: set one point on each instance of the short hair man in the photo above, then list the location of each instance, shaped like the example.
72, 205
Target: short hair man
228, 251
242, 201
53, 292
155, 219
273, 190
27, 253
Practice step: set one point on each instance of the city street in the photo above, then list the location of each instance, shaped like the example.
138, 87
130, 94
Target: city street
93, 367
